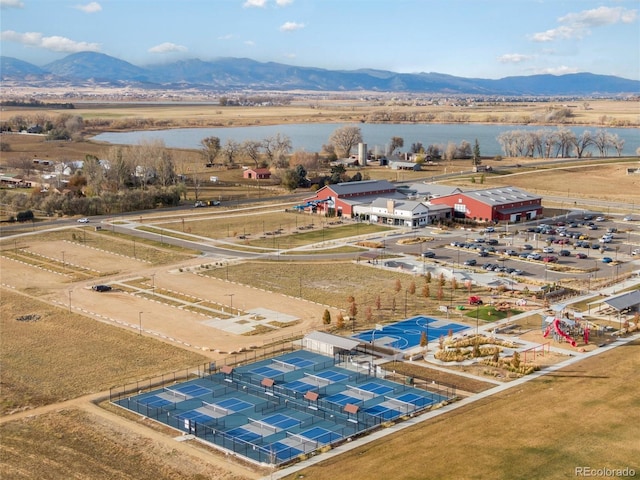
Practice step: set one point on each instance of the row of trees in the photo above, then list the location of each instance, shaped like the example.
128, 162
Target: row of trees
559, 143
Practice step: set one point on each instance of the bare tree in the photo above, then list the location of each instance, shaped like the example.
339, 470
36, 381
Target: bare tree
276, 148
395, 143
121, 170
251, 149
210, 149
345, 138
580, 143
230, 150
94, 172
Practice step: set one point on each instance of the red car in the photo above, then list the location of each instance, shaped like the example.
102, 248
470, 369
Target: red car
581, 255
550, 259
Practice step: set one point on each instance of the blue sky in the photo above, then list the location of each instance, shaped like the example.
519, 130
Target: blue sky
468, 38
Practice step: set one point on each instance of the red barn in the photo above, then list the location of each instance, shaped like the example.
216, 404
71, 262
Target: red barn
507, 204
257, 173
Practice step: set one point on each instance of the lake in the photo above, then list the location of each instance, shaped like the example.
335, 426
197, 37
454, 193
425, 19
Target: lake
311, 136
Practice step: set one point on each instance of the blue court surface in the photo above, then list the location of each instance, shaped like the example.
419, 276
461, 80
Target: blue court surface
407, 334
272, 411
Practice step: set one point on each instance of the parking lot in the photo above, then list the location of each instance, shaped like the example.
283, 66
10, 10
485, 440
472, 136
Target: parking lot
580, 246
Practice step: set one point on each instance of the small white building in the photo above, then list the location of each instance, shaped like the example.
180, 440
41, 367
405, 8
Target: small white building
328, 344
405, 213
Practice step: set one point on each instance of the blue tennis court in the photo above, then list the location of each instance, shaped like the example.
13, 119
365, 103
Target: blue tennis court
301, 409
376, 388
234, 404
193, 390
332, 376
383, 411
244, 434
320, 435
343, 399
154, 401
300, 386
408, 333
281, 421
267, 372
299, 362
196, 416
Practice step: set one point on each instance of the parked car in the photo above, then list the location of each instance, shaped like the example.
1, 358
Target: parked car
581, 255
471, 262
534, 256
101, 288
607, 260
511, 252
489, 229
199, 204
483, 253
429, 254
547, 250
600, 219
550, 259
526, 246
636, 251
83, 220
564, 253
492, 241
628, 218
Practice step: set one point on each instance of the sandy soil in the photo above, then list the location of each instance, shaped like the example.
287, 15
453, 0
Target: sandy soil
160, 319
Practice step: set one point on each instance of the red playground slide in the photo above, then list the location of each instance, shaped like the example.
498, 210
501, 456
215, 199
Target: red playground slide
556, 326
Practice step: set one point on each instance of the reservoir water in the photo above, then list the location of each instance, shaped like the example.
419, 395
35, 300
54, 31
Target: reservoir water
311, 136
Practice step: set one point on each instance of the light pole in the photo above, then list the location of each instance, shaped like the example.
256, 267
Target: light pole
153, 284
69, 300
63, 263
140, 323
230, 295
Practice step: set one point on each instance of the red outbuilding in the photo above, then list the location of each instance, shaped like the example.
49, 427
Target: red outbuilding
500, 204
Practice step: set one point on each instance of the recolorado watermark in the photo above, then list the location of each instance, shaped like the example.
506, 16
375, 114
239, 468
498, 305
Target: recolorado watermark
604, 472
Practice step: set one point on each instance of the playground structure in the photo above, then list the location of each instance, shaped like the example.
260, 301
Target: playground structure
312, 205
537, 351
567, 329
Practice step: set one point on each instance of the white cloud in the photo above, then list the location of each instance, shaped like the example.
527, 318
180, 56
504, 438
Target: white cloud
249, 43
11, 4
167, 47
514, 58
92, 7
577, 25
291, 26
561, 70
228, 36
255, 3
290, 55
54, 44
600, 16
283, 3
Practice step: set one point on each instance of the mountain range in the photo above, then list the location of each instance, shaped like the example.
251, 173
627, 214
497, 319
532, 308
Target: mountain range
233, 74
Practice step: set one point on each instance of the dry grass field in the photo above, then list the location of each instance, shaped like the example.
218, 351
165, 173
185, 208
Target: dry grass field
54, 369
586, 415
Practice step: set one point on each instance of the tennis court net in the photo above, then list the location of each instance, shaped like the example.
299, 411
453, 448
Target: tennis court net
264, 428
361, 393
175, 394
216, 409
284, 365
307, 444
321, 382
399, 405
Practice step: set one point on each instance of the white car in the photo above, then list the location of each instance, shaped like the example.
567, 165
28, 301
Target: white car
83, 220
628, 218
547, 250
636, 252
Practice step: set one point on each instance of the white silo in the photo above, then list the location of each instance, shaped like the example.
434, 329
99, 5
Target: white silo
362, 154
